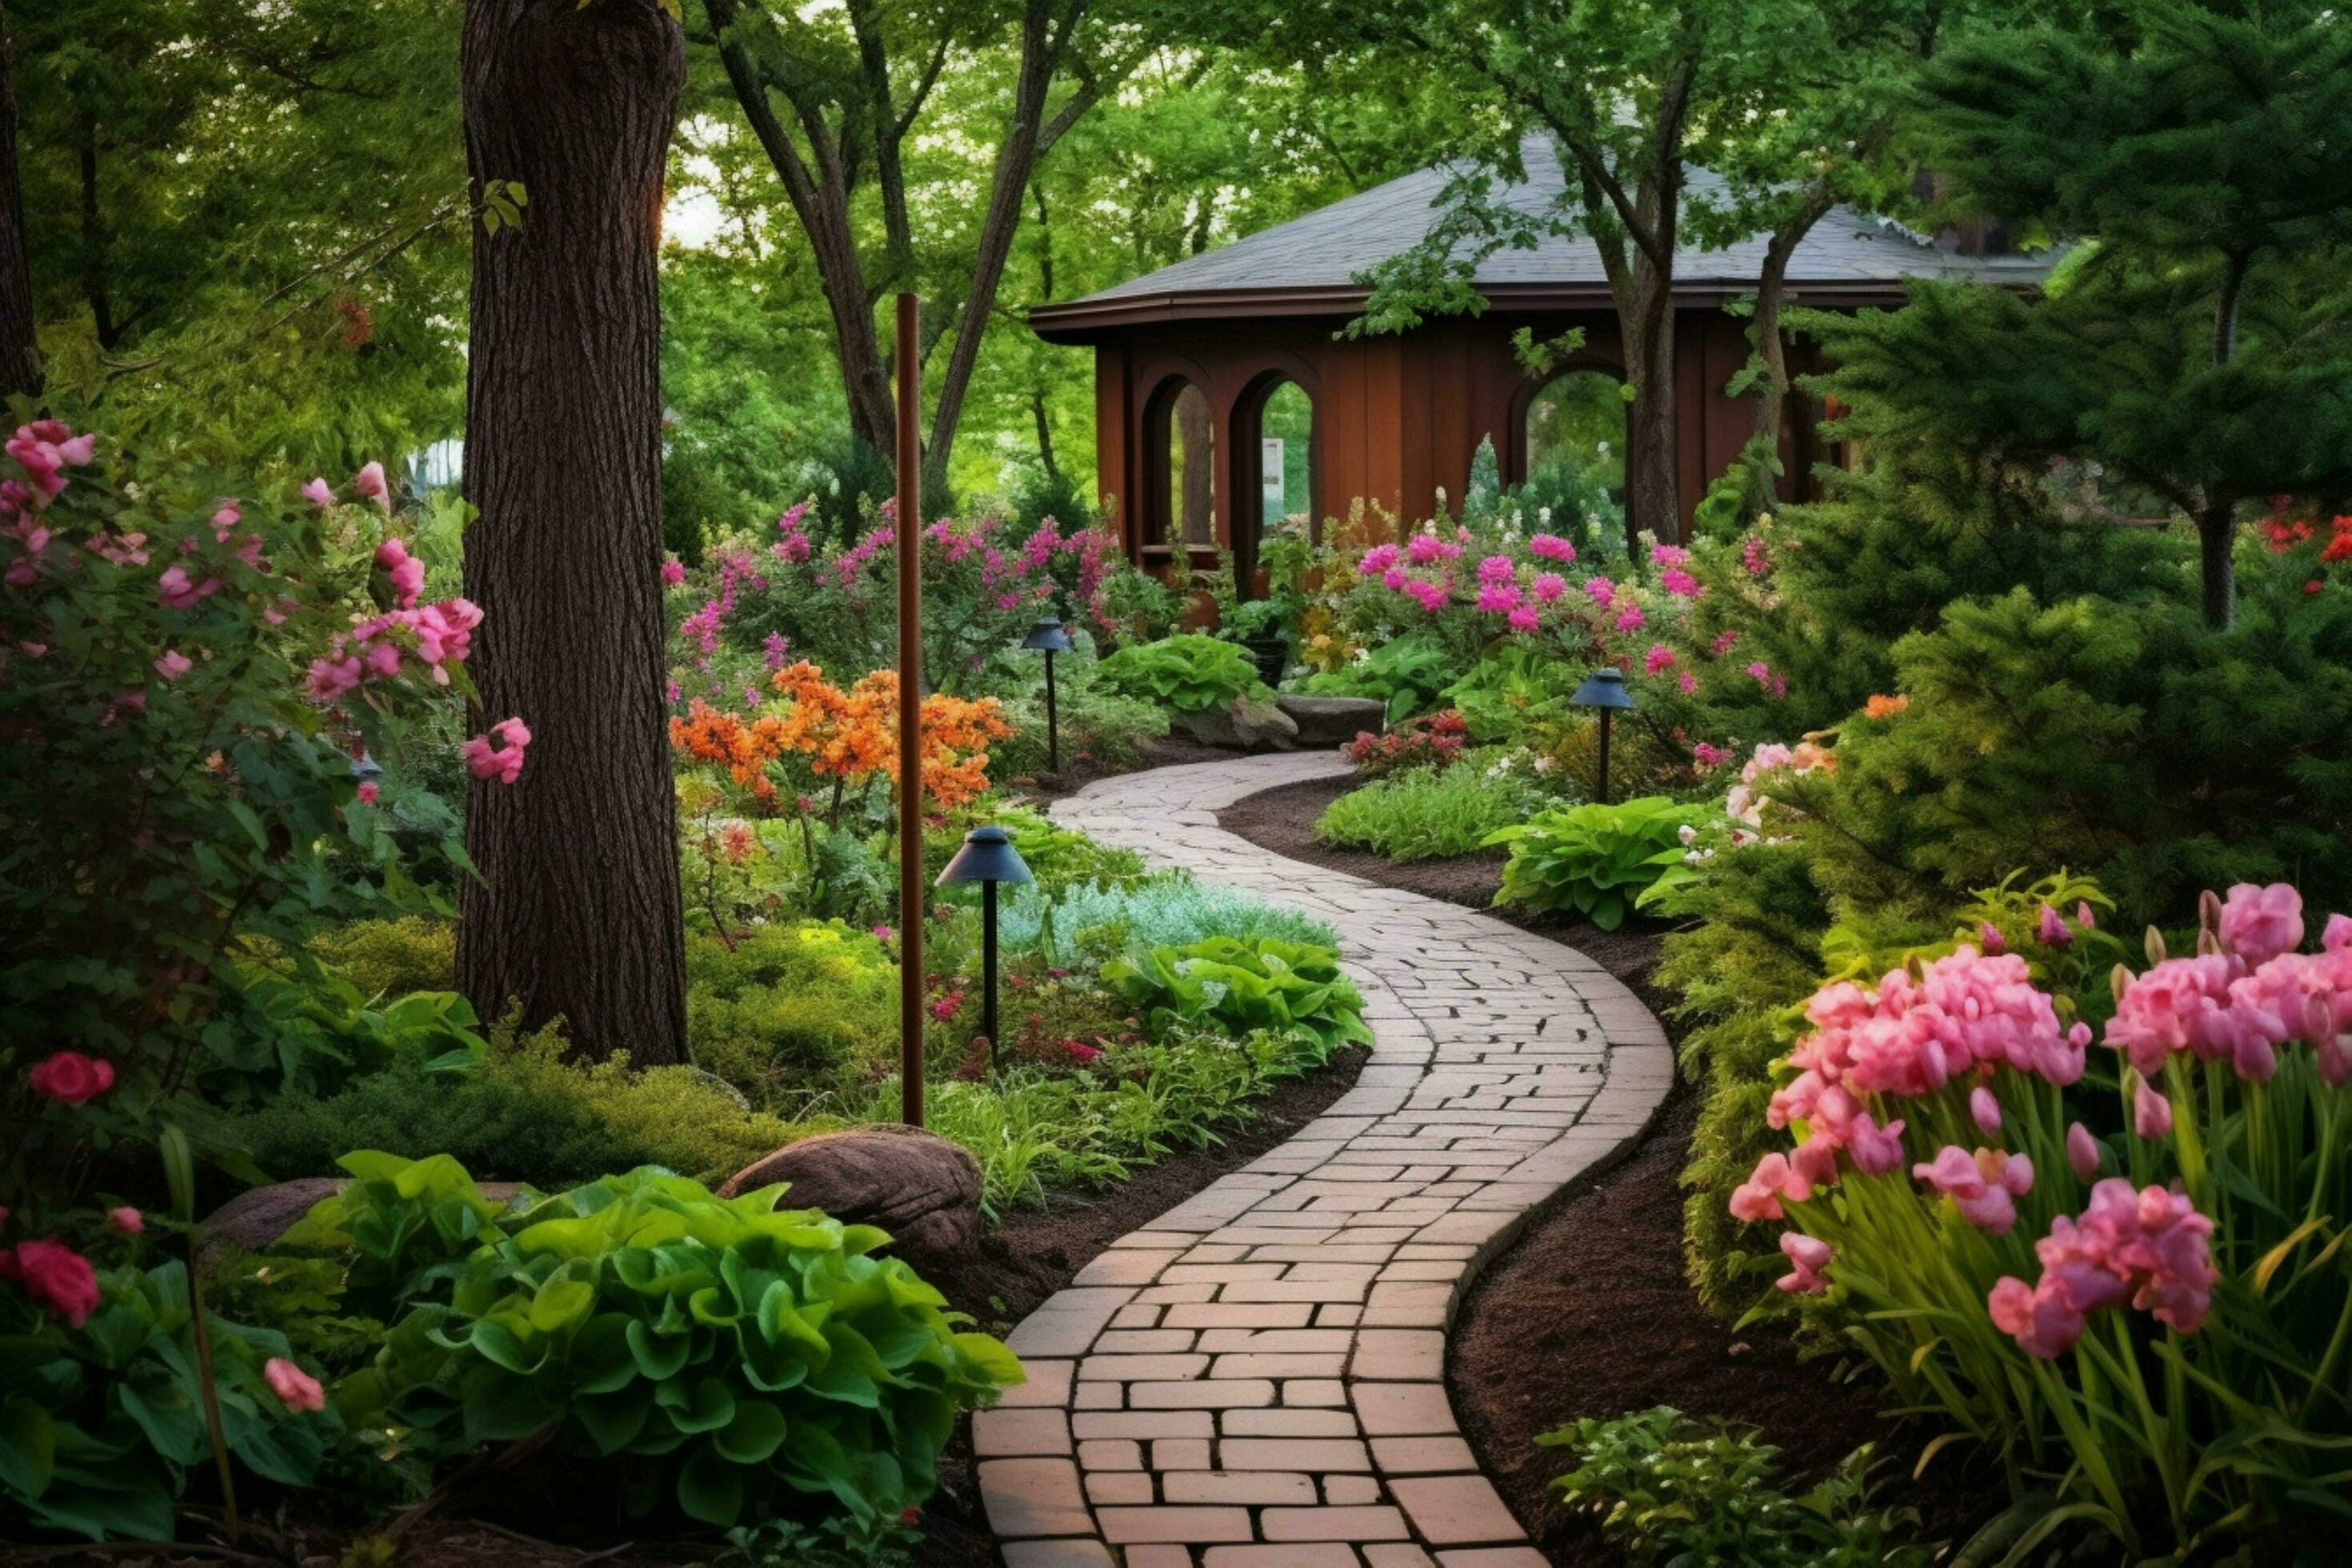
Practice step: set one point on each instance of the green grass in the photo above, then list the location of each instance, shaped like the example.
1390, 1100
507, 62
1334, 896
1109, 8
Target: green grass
1424, 814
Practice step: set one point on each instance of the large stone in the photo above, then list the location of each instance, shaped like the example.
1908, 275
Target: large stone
1333, 721
255, 1219
1247, 725
922, 1189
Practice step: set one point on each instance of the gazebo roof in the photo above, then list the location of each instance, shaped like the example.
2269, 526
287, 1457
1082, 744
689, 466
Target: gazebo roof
1309, 265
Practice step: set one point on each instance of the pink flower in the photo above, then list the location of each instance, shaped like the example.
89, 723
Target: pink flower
330, 677
1687, 683
1377, 559
1668, 555
2151, 1112
174, 664
319, 493
126, 1219
1632, 619
54, 1277
1993, 940
1551, 547
2259, 923
2051, 930
2337, 936
2207, 1005
2150, 1247
1983, 1187
1679, 583
1548, 586
368, 792
1497, 569
1875, 1151
295, 1389
1600, 591
178, 590
1762, 674
72, 1078
1723, 643
1759, 1197
1807, 1256
1395, 578
383, 662
1431, 595
672, 572
504, 764
2082, 1150
1984, 1110
1498, 599
1709, 757
1524, 618
1427, 550
369, 482
1080, 1051
1660, 657
407, 573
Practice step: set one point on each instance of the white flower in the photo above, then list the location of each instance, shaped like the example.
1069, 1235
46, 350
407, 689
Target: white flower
1687, 833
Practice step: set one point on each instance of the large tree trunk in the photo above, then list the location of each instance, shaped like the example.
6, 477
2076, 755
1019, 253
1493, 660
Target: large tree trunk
576, 914
1653, 470
1772, 357
20, 368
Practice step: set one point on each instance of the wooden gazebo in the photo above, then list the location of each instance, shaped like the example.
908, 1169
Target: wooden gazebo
1188, 357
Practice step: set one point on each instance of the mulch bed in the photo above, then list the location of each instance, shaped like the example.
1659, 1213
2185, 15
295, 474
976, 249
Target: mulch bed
1590, 1312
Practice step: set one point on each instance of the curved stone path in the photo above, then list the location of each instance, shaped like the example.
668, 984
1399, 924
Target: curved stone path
1256, 1378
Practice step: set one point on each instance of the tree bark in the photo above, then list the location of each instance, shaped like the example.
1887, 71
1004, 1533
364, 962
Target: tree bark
576, 914
1772, 353
2217, 522
20, 365
1652, 468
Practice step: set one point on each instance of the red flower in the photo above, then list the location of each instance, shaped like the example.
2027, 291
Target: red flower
72, 1077
57, 1276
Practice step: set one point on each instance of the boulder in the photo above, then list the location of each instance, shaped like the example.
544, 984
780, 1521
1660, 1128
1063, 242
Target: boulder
1248, 726
922, 1189
1333, 721
255, 1219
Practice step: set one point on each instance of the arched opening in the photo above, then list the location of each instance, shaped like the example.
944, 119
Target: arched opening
1181, 489
1571, 449
1276, 433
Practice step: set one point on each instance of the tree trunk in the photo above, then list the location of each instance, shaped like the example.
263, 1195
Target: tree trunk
2217, 523
20, 366
1653, 470
577, 911
1772, 357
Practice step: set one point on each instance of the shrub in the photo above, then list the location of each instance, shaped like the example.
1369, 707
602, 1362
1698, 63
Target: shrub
1169, 909
1434, 741
1514, 688
1421, 814
527, 1115
1189, 673
1408, 673
1060, 857
722, 1354
1239, 986
791, 1009
1593, 859
105, 1419
1667, 1488
2130, 1278
1099, 727
391, 958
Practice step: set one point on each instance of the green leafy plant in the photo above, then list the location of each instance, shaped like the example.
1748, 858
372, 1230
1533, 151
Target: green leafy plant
1421, 814
1593, 859
1409, 673
1666, 1488
1515, 686
1189, 672
1238, 986
728, 1356
100, 1425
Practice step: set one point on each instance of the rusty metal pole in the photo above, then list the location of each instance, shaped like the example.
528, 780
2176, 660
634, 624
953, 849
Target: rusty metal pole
908, 531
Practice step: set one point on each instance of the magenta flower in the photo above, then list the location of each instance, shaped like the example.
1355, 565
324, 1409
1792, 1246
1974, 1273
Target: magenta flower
503, 763
1498, 599
673, 571
1551, 547
2051, 930
2150, 1247
1708, 756
1630, 619
174, 664
1875, 1151
1679, 583
1807, 1256
406, 572
1394, 578
1548, 586
319, 493
2151, 1112
1668, 555
1984, 1110
1377, 559
1497, 569
2082, 1150
1600, 591
1524, 618
1993, 940
295, 1389
2259, 923
1660, 657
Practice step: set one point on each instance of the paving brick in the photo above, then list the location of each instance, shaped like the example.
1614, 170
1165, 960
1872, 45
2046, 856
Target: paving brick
1059, 1554
1348, 1490
1394, 1355
1048, 1384
1120, 1487
1002, 1434
1315, 1453
1122, 1526
1333, 1524
1309, 1556
1244, 1487
1402, 1409
1110, 1454
1204, 1394
1180, 1454
1412, 1456
1455, 1510
1033, 1496
1140, 1368
1089, 1424
1288, 1423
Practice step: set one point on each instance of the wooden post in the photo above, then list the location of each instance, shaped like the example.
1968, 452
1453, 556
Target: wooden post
908, 530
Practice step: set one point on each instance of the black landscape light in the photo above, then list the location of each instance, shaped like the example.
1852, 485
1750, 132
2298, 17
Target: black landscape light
1048, 637
987, 857
1604, 689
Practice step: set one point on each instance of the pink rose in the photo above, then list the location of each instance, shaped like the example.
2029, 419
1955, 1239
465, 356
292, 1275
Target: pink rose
72, 1078
55, 1277
174, 664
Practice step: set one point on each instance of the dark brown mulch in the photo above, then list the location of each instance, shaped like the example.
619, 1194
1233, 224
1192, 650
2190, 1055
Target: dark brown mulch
1590, 1313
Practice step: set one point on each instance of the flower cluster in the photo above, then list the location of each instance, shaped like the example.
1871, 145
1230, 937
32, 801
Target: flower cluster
503, 761
1746, 802
2247, 993
2149, 1248
1436, 741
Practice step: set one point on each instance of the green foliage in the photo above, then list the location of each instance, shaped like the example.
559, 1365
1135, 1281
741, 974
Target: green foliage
1409, 673
1060, 857
527, 1115
1138, 606
788, 1010
1168, 909
1514, 687
1239, 986
1418, 815
1098, 726
1670, 1489
387, 958
1593, 859
1189, 673
100, 1424
727, 1356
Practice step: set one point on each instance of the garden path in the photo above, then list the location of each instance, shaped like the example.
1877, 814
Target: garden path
1256, 1378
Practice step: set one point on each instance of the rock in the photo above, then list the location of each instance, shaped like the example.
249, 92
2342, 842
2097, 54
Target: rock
255, 1219
1248, 725
1333, 721
922, 1189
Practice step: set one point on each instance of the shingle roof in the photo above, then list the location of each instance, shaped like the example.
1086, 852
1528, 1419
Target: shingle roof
1318, 255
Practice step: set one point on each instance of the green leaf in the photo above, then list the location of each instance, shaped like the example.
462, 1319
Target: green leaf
756, 1431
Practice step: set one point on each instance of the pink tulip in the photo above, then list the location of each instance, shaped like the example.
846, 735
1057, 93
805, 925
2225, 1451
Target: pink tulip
319, 493
2082, 1152
2151, 1112
1807, 1256
369, 482
1984, 1110
295, 1388
2259, 923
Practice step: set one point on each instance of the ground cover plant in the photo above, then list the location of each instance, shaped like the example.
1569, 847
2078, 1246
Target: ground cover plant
1418, 815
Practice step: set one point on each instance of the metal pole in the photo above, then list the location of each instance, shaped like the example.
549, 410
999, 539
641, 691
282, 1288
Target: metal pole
908, 530
988, 969
1053, 721
1604, 756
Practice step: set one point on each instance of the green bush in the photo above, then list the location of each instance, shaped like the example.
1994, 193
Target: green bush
1512, 688
1669, 1490
791, 1009
1189, 672
100, 1424
1420, 814
723, 1354
1060, 857
1238, 986
1168, 909
1408, 673
391, 958
1100, 727
526, 1115
1593, 859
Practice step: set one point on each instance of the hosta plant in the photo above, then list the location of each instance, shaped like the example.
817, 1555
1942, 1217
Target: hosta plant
1237, 986
1593, 860
1190, 673
727, 1356
2121, 1271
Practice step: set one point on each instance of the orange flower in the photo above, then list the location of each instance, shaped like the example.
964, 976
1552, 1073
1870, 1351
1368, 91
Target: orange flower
1884, 707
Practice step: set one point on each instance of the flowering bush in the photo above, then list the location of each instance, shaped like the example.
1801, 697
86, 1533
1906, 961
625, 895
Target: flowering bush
1434, 743
188, 669
2128, 1280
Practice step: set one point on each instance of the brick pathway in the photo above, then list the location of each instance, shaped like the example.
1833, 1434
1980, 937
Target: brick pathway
1256, 1378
